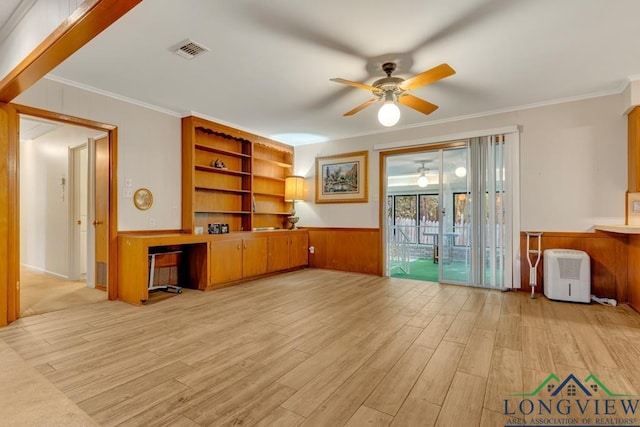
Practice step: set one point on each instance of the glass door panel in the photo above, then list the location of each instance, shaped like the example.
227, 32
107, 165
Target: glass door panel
455, 238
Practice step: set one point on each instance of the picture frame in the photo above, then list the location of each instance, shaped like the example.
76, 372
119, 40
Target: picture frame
342, 178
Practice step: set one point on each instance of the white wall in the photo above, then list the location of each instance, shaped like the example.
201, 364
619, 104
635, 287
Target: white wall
44, 202
35, 25
573, 160
573, 166
149, 149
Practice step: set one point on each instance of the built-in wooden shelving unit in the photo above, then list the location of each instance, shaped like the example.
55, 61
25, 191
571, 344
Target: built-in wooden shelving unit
247, 193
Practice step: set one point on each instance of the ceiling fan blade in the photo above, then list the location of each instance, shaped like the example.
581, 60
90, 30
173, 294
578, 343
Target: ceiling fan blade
354, 84
417, 104
427, 77
361, 107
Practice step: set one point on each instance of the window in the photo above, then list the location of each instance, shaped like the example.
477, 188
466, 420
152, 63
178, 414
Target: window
416, 215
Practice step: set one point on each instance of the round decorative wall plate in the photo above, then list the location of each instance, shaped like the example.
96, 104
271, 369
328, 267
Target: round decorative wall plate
143, 199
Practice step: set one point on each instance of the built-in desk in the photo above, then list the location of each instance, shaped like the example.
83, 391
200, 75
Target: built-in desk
622, 229
133, 262
209, 260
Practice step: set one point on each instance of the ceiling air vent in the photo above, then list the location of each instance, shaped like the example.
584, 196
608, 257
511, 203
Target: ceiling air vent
189, 49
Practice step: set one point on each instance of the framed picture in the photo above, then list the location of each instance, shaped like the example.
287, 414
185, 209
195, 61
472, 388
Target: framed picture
342, 178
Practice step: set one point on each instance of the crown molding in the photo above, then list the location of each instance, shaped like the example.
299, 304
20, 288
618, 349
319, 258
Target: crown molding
112, 95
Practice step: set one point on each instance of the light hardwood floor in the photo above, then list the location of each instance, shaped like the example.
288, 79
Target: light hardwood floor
325, 348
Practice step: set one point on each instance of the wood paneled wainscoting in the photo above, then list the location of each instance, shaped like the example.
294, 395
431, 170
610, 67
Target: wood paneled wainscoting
608, 253
633, 275
346, 249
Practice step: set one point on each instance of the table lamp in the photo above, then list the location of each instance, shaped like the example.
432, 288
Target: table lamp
293, 190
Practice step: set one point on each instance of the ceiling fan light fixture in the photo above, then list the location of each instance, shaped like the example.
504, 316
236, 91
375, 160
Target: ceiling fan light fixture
389, 113
423, 181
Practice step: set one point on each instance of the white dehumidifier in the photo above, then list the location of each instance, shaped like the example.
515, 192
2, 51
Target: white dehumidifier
567, 275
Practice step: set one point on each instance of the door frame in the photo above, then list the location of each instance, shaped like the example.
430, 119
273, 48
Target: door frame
112, 134
87, 21
382, 188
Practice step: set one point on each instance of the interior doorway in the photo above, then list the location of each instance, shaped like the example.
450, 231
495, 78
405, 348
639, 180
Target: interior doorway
57, 171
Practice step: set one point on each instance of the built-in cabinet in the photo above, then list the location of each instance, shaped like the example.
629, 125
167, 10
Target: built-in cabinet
288, 251
232, 177
235, 259
225, 261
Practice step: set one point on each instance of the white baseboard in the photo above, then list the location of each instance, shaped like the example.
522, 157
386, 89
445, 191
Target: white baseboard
40, 270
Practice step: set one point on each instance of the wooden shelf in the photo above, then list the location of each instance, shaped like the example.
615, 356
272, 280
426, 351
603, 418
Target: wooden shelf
274, 162
272, 178
226, 212
272, 213
220, 151
220, 170
223, 190
260, 193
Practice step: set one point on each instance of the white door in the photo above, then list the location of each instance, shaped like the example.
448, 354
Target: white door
79, 185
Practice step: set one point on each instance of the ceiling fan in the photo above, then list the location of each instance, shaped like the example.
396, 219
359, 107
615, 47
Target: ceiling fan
392, 89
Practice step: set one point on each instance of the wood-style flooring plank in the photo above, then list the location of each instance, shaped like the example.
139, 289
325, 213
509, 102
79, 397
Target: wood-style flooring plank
476, 358
461, 328
346, 400
464, 388
323, 348
433, 383
416, 412
392, 391
435, 330
369, 417
393, 349
505, 378
282, 418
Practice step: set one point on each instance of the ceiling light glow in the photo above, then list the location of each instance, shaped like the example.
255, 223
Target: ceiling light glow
461, 172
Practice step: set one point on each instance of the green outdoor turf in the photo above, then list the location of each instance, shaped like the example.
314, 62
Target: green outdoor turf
427, 270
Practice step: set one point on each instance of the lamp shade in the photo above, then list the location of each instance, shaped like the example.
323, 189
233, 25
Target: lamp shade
293, 188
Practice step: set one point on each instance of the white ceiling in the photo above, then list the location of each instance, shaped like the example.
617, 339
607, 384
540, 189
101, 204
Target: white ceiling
269, 63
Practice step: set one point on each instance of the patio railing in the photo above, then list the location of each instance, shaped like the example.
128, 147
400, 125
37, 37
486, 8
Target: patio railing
398, 250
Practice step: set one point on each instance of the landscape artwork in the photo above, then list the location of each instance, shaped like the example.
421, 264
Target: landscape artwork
342, 178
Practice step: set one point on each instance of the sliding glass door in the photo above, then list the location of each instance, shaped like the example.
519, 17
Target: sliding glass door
446, 213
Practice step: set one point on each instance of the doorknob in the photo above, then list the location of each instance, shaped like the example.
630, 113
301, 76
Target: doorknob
78, 222
96, 222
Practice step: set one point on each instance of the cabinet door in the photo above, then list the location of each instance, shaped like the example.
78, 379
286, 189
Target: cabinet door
225, 261
254, 256
279, 252
299, 250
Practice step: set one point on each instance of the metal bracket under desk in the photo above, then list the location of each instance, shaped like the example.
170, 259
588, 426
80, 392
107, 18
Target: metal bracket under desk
152, 270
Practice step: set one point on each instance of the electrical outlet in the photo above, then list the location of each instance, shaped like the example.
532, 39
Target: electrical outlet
128, 182
128, 193
312, 250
